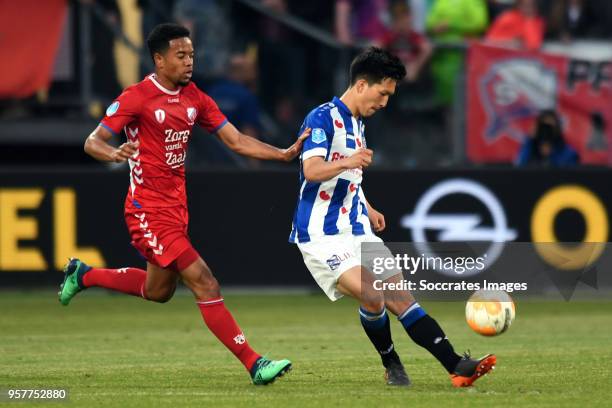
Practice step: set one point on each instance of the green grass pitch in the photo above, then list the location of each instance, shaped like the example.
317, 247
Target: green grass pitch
114, 350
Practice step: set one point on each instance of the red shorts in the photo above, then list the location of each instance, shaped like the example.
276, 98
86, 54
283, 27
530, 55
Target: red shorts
160, 234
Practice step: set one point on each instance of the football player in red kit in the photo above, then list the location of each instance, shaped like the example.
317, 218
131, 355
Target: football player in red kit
157, 116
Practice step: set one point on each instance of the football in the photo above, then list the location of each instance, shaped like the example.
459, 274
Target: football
489, 312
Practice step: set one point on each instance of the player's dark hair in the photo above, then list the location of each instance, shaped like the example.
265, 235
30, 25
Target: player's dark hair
159, 38
375, 64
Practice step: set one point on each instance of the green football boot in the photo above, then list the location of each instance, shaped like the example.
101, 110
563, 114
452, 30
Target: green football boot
265, 371
73, 280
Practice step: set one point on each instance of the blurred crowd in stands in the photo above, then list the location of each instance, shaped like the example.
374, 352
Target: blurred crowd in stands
265, 75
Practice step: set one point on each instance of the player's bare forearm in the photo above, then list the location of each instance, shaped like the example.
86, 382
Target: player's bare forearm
246, 145
368, 206
249, 146
316, 169
377, 219
98, 149
97, 146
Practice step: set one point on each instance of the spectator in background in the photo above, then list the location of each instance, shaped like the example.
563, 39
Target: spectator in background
522, 27
319, 78
571, 19
281, 65
153, 12
411, 47
208, 22
419, 9
361, 20
236, 100
234, 97
453, 21
547, 146
497, 7
598, 139
103, 65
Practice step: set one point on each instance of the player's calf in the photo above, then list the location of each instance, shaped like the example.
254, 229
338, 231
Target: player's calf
427, 333
204, 288
221, 323
377, 328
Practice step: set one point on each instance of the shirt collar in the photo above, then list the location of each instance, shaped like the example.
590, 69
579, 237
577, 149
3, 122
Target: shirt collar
336, 101
159, 86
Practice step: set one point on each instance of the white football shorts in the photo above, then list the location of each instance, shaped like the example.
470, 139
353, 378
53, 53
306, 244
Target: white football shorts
330, 256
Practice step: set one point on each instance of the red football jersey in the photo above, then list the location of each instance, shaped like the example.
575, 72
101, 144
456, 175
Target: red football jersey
161, 121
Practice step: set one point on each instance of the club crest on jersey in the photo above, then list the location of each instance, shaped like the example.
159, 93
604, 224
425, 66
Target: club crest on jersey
160, 115
318, 135
112, 108
191, 114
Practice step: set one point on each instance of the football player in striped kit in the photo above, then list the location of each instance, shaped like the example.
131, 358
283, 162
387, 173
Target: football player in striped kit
333, 218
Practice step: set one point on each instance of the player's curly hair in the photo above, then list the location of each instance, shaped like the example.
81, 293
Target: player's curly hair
375, 64
159, 38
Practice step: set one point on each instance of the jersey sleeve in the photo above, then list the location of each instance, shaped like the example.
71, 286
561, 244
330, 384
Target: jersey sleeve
210, 116
122, 111
317, 144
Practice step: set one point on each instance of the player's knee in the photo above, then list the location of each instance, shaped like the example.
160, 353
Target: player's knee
211, 287
162, 299
161, 296
398, 301
206, 287
372, 305
165, 297
372, 300
210, 283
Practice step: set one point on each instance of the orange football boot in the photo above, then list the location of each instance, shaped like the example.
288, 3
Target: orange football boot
469, 370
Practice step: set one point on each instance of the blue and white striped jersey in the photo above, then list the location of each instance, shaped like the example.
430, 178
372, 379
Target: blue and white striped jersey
338, 205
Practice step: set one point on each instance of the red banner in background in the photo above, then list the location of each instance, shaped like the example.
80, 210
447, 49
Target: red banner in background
507, 89
30, 32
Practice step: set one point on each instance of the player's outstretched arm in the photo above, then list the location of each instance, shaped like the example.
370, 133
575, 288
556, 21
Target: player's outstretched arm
97, 147
249, 146
316, 169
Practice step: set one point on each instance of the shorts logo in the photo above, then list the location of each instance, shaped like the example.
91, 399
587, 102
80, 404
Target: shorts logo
112, 108
160, 115
335, 261
318, 135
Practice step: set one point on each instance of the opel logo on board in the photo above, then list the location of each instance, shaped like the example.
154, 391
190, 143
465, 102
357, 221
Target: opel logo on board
458, 227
